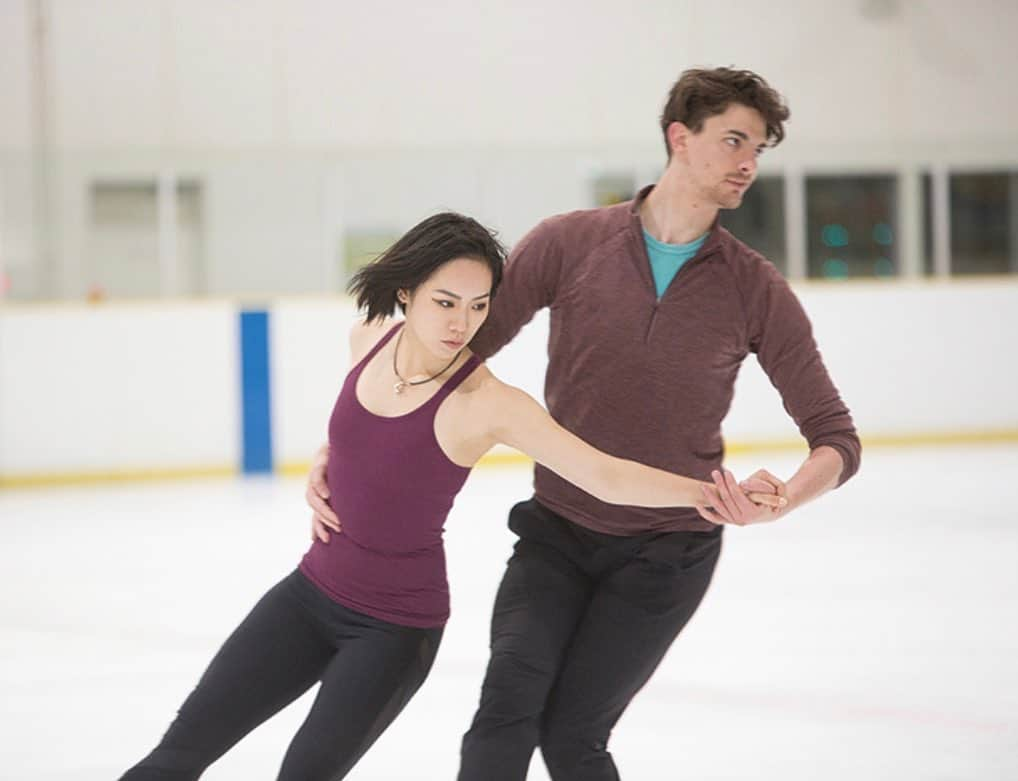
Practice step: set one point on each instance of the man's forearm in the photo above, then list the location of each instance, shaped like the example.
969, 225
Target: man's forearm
818, 474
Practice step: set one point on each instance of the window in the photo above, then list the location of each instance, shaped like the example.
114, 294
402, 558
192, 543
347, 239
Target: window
123, 249
982, 223
760, 220
851, 225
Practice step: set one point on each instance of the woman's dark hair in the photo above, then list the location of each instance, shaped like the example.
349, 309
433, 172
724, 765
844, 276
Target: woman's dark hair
701, 93
418, 254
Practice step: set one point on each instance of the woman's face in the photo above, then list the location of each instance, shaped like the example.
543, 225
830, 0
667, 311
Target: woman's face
445, 310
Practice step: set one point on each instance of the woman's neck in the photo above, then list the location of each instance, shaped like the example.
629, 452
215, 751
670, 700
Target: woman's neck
413, 362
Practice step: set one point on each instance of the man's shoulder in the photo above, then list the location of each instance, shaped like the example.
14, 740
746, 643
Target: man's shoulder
743, 259
585, 225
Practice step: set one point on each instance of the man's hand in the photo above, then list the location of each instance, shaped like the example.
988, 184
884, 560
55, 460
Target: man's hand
316, 495
760, 498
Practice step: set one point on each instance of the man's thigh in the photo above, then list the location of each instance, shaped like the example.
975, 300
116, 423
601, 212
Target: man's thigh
540, 602
632, 619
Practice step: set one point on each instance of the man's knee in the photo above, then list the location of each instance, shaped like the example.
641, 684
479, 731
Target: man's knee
515, 687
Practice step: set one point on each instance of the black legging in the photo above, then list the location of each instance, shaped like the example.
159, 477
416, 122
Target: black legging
293, 637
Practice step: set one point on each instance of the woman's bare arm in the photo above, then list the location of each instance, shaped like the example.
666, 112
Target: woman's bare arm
516, 419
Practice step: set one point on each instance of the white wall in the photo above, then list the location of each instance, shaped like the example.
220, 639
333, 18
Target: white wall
208, 73
306, 119
120, 388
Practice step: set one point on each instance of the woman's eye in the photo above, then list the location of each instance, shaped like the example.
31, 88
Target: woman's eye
480, 307
446, 304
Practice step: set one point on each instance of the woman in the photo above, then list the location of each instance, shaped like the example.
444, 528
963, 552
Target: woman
364, 613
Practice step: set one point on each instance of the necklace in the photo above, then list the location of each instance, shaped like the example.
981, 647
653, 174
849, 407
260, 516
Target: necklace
402, 385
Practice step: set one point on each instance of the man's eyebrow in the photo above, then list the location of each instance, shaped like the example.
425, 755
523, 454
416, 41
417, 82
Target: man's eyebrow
744, 137
460, 298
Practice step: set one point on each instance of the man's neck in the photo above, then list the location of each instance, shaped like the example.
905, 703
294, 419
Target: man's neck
672, 214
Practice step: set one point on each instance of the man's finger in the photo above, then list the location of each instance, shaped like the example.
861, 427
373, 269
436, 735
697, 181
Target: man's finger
319, 483
318, 530
755, 485
768, 500
335, 525
777, 482
321, 507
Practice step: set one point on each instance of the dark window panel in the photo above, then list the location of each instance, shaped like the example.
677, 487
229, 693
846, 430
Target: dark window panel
981, 230
851, 224
760, 220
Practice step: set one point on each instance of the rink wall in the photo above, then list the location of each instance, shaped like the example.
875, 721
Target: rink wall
157, 388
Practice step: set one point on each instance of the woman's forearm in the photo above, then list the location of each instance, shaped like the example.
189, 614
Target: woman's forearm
633, 483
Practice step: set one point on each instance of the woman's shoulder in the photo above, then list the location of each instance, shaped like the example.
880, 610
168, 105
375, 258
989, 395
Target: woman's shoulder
481, 388
365, 335
478, 381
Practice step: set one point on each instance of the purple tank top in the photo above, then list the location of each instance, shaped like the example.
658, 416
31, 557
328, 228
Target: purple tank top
392, 487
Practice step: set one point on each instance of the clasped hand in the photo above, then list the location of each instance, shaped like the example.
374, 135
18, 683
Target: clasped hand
758, 499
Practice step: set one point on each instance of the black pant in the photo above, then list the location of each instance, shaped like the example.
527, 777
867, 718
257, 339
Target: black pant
580, 622
294, 637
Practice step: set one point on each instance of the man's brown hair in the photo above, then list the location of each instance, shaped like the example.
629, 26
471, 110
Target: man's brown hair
704, 92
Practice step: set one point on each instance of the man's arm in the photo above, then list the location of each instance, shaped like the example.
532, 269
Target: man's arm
725, 501
781, 335
530, 283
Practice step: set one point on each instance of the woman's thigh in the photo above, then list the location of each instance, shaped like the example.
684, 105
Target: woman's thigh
270, 659
370, 679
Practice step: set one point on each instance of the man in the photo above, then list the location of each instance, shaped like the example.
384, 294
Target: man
654, 307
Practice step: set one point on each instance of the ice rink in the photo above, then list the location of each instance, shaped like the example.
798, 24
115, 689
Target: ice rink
870, 636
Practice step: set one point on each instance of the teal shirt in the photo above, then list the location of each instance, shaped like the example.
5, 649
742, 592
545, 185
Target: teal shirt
667, 259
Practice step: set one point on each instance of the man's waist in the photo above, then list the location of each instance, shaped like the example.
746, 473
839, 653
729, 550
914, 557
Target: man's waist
579, 507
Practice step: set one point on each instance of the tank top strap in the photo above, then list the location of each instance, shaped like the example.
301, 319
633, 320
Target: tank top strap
378, 346
456, 380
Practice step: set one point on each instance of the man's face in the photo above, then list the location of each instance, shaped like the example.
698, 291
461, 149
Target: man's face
721, 159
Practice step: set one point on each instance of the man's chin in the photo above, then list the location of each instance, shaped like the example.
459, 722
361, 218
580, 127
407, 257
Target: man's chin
730, 201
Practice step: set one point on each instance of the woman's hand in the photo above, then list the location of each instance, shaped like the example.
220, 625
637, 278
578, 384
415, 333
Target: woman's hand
763, 497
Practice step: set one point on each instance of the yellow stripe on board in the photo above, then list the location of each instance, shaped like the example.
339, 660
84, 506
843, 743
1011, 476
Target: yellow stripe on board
514, 458
502, 458
119, 476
